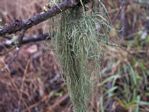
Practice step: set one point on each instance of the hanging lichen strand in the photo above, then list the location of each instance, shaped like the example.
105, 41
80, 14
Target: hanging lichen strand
77, 43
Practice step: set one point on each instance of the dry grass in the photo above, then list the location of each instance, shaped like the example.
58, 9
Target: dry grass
30, 79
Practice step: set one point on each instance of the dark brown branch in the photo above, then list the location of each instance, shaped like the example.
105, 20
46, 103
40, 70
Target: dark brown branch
9, 44
19, 25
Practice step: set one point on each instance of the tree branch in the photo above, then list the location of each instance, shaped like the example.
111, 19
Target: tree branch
9, 44
19, 25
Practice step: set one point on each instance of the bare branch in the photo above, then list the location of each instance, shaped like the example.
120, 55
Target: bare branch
19, 25
9, 44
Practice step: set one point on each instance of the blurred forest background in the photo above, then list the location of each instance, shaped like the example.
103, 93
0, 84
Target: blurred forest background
123, 79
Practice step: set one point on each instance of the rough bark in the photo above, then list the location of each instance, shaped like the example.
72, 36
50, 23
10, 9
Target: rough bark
19, 25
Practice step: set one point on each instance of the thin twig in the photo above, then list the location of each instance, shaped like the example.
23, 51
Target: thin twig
9, 44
